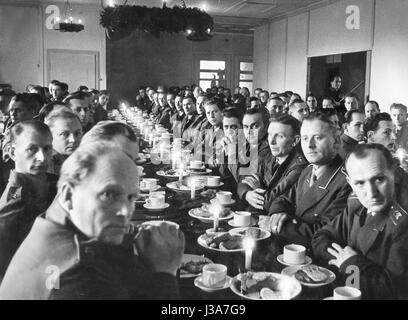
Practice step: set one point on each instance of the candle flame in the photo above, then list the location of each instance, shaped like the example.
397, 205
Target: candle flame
248, 243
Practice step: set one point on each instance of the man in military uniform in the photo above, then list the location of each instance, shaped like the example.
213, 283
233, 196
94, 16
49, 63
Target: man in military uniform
321, 192
30, 189
280, 170
84, 246
372, 232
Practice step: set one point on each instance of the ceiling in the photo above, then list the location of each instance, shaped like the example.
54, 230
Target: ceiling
229, 15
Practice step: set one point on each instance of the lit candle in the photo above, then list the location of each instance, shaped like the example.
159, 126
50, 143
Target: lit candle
58, 19
181, 174
248, 244
193, 188
161, 152
400, 153
216, 217
71, 19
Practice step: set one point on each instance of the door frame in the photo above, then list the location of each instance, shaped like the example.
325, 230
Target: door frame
94, 53
217, 57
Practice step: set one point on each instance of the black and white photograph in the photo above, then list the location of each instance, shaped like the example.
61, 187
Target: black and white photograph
204, 154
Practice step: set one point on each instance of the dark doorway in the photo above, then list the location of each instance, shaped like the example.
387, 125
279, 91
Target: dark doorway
350, 66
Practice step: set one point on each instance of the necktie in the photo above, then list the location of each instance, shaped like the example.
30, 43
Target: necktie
313, 178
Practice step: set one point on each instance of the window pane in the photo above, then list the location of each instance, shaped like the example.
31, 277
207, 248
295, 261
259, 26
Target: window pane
212, 65
246, 84
246, 66
205, 84
244, 76
212, 75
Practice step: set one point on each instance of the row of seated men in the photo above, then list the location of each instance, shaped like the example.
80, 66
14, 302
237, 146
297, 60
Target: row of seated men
290, 168
86, 233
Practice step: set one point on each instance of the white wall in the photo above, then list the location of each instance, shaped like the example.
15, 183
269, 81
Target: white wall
24, 41
322, 31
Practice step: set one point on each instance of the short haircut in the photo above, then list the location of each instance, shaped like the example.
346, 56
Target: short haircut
399, 106
258, 89
78, 95
253, 99
328, 98
372, 124
190, 97
296, 101
48, 108
82, 88
107, 131
259, 110
334, 77
311, 95
83, 162
104, 92
289, 121
348, 117
60, 114
216, 102
55, 82
19, 128
233, 112
351, 95
362, 151
64, 86
374, 103
323, 118
28, 100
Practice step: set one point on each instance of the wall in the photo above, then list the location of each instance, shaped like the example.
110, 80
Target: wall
24, 41
170, 60
322, 31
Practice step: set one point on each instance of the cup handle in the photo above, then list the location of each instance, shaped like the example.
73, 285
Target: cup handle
142, 184
148, 202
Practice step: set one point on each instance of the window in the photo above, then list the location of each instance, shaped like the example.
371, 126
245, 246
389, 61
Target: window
212, 73
246, 75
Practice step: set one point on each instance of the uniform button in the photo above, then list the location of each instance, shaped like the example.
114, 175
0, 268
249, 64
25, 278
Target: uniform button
316, 215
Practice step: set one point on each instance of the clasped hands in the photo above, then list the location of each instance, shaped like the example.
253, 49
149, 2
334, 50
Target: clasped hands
273, 223
160, 246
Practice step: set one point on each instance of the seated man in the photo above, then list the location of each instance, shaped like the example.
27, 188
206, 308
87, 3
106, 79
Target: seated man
30, 189
380, 130
66, 132
164, 112
178, 116
117, 133
102, 107
191, 121
372, 232
298, 109
321, 192
399, 117
371, 108
79, 103
280, 170
353, 131
275, 106
327, 103
87, 239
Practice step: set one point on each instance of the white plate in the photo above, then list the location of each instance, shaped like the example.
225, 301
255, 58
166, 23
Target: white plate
291, 285
199, 284
290, 272
157, 187
192, 257
306, 263
232, 224
161, 173
214, 187
199, 173
174, 186
202, 243
165, 206
264, 234
192, 213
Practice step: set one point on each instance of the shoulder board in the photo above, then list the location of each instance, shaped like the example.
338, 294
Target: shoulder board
14, 193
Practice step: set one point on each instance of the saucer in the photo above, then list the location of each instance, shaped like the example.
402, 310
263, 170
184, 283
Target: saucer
306, 263
165, 206
214, 187
232, 224
199, 284
156, 187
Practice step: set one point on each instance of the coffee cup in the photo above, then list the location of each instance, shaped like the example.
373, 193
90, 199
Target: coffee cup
242, 218
224, 196
294, 254
148, 183
346, 293
214, 275
156, 200
213, 181
196, 164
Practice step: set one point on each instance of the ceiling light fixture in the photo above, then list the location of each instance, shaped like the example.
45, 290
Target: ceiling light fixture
69, 24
